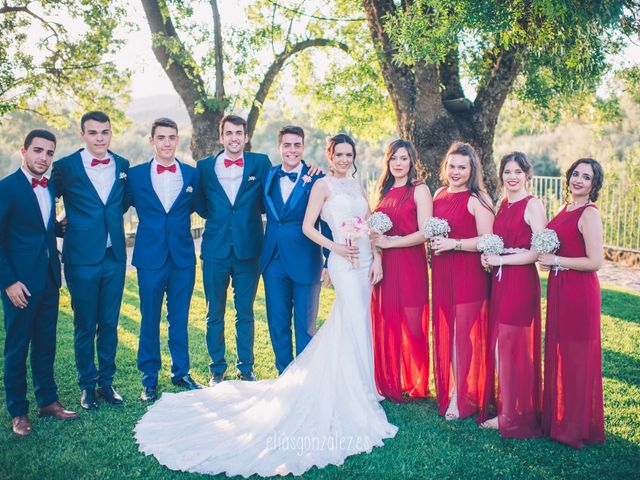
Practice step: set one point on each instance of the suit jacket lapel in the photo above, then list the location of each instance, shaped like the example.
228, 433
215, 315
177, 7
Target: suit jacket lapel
149, 185
31, 196
186, 180
118, 162
296, 193
247, 171
267, 189
216, 182
79, 167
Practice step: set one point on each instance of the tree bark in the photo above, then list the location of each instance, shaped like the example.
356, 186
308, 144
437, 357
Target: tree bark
417, 95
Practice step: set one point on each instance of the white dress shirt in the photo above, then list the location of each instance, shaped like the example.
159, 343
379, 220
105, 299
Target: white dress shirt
229, 177
286, 185
167, 185
102, 177
43, 196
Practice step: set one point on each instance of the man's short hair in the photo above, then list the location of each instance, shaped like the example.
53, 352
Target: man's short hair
163, 122
234, 120
38, 133
292, 129
96, 116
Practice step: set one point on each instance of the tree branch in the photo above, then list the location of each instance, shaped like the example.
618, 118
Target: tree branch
178, 63
275, 68
217, 45
450, 75
494, 91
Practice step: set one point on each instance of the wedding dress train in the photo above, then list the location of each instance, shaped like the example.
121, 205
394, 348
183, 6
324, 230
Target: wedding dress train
322, 409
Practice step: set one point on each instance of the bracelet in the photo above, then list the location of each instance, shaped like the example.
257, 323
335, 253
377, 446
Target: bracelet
458, 244
556, 261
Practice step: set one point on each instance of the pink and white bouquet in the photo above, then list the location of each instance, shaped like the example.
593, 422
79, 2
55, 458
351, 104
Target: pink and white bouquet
353, 229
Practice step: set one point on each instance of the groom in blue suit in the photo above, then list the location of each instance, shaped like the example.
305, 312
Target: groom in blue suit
163, 192
231, 201
92, 182
291, 264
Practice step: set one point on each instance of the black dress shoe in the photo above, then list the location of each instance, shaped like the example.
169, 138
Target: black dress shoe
247, 377
110, 395
186, 382
149, 394
88, 399
215, 379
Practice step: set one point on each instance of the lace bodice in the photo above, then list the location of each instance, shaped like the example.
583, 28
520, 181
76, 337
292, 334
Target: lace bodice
347, 200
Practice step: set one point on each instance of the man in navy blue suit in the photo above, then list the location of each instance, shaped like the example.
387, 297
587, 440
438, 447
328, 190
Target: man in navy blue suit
231, 201
291, 264
163, 192
30, 282
92, 182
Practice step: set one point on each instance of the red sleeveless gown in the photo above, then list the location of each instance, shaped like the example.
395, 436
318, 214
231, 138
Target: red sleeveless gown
514, 326
459, 292
572, 411
400, 308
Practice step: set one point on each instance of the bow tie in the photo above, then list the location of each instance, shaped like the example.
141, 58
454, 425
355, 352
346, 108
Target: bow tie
238, 162
293, 176
95, 162
170, 168
42, 182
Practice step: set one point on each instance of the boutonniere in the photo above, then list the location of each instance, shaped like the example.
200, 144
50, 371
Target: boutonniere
123, 176
252, 178
189, 189
56, 199
306, 179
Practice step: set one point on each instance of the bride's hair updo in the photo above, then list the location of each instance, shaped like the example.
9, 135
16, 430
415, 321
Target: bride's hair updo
336, 140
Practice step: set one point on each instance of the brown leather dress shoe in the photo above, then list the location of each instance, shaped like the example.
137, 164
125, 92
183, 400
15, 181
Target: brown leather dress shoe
56, 410
21, 425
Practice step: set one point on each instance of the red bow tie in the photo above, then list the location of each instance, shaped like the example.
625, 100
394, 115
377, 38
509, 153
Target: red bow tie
42, 182
170, 168
238, 162
95, 162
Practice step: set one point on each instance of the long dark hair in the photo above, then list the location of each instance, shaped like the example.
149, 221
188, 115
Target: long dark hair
387, 179
475, 184
341, 138
596, 181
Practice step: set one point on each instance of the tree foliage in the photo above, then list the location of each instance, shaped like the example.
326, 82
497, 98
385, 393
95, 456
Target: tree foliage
48, 67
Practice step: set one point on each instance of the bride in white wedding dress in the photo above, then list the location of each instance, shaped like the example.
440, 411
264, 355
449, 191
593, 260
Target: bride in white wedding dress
324, 407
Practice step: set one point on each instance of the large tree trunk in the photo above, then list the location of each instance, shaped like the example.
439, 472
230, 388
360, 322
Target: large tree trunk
204, 135
418, 92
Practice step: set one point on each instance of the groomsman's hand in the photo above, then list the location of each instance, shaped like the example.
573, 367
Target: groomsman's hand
18, 294
313, 170
326, 278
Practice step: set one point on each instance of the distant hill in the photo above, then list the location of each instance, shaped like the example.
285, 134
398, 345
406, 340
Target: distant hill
146, 110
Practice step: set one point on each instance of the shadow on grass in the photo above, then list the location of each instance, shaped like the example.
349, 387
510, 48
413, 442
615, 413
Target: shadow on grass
620, 366
619, 304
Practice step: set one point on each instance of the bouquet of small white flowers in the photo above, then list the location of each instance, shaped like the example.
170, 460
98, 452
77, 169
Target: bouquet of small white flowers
436, 227
353, 229
491, 244
546, 241
379, 222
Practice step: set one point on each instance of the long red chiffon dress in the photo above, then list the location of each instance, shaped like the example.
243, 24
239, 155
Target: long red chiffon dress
573, 411
459, 292
514, 327
400, 307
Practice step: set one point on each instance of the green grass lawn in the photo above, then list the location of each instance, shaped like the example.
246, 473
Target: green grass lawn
101, 444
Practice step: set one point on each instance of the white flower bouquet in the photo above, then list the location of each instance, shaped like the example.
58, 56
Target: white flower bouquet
546, 241
436, 227
491, 244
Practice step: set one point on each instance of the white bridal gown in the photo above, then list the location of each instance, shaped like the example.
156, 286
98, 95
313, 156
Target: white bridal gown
323, 408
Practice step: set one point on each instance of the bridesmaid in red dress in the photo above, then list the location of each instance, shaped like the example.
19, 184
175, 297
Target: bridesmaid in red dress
514, 309
400, 302
572, 407
460, 286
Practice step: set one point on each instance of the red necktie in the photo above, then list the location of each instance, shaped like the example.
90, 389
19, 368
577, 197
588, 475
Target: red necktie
170, 168
228, 163
42, 182
95, 162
